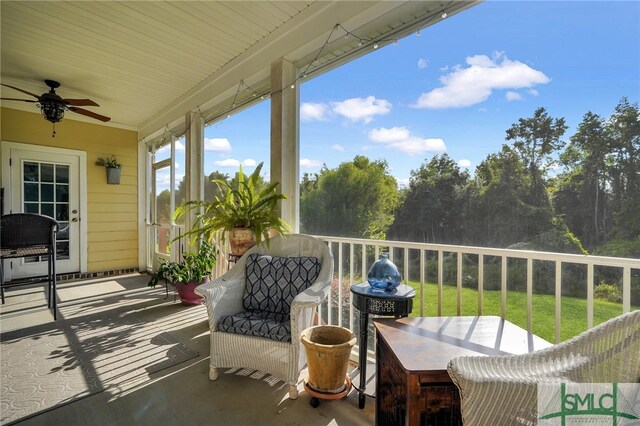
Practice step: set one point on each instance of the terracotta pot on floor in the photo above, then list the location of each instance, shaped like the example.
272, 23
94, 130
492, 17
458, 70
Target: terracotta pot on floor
328, 348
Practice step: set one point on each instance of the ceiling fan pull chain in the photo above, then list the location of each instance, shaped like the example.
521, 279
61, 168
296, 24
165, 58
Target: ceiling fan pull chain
53, 135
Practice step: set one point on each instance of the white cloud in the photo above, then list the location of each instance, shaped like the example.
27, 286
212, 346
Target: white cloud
229, 162
310, 111
232, 162
337, 147
310, 164
403, 183
179, 147
217, 144
401, 139
422, 63
362, 109
465, 86
464, 163
533, 92
513, 96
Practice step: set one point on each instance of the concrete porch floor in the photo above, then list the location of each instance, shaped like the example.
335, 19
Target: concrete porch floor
182, 394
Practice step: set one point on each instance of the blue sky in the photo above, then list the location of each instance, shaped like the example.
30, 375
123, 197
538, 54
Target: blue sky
456, 88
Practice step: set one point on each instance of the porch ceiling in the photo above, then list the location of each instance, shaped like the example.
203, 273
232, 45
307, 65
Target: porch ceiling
148, 63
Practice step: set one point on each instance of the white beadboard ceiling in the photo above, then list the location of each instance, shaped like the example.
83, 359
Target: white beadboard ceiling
149, 62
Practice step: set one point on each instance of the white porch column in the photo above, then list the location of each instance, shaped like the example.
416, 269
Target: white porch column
194, 157
285, 139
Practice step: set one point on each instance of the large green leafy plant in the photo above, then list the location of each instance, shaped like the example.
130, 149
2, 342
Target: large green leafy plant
240, 204
193, 268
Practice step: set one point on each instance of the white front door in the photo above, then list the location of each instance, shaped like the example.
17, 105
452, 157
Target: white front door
47, 183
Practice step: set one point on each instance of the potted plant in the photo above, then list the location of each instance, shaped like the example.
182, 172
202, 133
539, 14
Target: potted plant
243, 210
113, 168
193, 270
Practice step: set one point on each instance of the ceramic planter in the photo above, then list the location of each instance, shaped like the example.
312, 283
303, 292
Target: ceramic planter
241, 240
187, 292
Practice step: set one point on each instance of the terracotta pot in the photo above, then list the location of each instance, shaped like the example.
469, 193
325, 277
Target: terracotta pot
241, 240
187, 292
328, 348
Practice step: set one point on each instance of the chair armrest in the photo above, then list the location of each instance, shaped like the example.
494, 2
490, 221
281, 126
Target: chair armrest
312, 296
222, 297
304, 304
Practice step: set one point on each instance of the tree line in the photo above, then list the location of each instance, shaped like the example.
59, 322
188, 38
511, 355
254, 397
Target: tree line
540, 191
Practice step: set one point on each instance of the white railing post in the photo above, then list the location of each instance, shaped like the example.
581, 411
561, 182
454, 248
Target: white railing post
480, 284
459, 283
422, 282
503, 288
440, 279
529, 295
590, 295
626, 289
558, 298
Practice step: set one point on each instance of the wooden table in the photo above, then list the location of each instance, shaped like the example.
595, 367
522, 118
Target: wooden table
412, 384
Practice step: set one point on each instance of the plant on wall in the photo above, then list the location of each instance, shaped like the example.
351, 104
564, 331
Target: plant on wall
109, 162
113, 168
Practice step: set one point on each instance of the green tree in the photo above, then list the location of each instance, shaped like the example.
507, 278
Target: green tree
433, 207
502, 214
623, 129
356, 199
535, 140
581, 195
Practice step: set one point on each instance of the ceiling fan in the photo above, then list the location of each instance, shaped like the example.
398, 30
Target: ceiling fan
53, 106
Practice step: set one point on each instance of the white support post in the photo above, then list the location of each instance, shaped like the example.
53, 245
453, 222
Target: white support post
194, 157
285, 139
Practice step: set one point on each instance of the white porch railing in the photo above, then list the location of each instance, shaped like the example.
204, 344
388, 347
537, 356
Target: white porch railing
417, 261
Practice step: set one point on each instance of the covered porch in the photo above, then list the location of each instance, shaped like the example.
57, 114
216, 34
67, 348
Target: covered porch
179, 394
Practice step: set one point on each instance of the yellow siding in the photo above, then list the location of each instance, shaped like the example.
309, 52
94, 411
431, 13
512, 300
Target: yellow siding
112, 216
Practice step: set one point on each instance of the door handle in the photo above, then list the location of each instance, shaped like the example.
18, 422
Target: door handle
75, 219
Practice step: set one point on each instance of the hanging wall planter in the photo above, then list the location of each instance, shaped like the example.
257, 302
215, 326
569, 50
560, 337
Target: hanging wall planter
113, 169
113, 175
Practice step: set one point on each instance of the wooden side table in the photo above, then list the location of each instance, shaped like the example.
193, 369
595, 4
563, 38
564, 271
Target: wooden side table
413, 386
397, 303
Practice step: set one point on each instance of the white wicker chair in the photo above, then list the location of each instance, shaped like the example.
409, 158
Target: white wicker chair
224, 296
502, 390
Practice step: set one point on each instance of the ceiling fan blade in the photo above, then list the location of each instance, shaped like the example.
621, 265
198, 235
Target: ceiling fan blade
90, 114
80, 102
15, 99
20, 90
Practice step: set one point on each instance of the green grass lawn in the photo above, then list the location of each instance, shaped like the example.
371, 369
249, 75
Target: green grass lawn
573, 319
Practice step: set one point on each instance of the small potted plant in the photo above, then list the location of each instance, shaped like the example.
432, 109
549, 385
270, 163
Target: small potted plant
193, 270
244, 210
113, 168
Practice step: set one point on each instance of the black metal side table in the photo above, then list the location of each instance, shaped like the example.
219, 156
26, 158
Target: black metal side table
397, 303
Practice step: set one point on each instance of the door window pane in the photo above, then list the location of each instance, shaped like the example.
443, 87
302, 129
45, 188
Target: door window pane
62, 193
46, 209
63, 231
31, 172
62, 250
62, 174
62, 212
31, 192
46, 192
31, 208
46, 172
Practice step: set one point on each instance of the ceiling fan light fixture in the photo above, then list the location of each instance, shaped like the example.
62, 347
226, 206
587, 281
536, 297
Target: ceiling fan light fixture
52, 111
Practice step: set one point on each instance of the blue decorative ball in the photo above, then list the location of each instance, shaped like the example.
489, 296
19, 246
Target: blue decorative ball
383, 274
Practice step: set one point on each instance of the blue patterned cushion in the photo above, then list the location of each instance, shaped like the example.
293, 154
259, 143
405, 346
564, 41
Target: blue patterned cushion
257, 324
273, 282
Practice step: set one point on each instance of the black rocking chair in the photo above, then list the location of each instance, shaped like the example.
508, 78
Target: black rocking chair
25, 235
